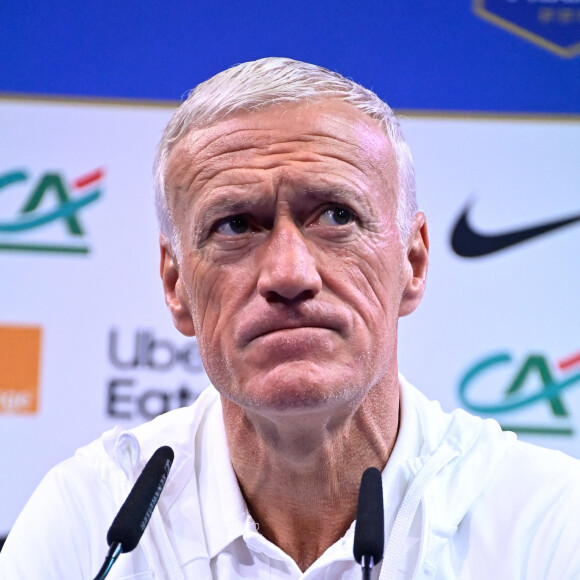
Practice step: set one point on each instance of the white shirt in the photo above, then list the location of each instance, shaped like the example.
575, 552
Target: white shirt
462, 501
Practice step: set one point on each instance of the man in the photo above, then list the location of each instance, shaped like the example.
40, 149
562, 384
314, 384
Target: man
290, 246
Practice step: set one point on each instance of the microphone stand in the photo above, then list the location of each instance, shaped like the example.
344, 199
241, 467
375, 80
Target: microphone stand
367, 566
114, 550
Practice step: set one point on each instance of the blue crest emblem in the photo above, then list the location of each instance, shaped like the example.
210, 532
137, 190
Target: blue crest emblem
551, 24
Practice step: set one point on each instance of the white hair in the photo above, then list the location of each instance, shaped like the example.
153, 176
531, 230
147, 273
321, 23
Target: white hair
253, 85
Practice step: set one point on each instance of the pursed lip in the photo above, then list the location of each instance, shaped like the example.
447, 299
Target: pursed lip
270, 322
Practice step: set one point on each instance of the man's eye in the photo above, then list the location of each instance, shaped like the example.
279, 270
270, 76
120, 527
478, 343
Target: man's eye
233, 226
336, 216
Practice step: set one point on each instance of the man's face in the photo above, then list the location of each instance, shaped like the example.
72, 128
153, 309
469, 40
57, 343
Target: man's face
292, 274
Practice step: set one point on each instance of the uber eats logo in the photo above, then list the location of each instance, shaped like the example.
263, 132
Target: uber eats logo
44, 213
152, 375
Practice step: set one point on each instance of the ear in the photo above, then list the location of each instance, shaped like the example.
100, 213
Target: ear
175, 294
416, 264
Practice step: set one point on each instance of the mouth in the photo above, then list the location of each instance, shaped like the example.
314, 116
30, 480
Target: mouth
289, 330
271, 324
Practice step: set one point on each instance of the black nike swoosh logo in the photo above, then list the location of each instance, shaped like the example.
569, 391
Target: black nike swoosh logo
468, 243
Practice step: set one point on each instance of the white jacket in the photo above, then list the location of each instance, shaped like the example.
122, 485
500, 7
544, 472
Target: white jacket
462, 501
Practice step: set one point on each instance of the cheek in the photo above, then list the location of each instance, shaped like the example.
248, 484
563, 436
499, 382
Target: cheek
217, 294
202, 284
205, 296
367, 277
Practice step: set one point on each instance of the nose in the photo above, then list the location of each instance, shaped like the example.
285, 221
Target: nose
288, 270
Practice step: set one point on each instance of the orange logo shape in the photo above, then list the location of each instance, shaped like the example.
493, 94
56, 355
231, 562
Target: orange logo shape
19, 369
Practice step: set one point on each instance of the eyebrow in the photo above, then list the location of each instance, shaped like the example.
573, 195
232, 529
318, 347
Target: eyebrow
340, 194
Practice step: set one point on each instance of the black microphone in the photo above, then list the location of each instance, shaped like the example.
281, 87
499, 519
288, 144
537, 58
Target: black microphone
133, 517
369, 531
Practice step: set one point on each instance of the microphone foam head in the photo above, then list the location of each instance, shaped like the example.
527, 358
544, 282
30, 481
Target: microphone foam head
133, 517
369, 531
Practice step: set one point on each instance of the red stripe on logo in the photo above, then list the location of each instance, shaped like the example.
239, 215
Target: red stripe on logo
569, 361
88, 178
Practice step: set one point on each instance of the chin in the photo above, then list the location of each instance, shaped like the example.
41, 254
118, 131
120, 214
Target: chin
293, 389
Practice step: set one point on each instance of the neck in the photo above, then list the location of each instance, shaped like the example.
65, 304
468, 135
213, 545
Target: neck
300, 474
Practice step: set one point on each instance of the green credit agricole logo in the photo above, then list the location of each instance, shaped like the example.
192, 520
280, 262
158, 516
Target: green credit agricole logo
29, 206
535, 380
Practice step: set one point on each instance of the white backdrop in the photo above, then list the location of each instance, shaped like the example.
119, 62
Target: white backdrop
108, 352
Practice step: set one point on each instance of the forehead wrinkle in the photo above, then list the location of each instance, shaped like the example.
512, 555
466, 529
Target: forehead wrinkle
265, 141
369, 139
217, 144
197, 148
360, 125
230, 165
373, 149
207, 153
239, 140
223, 193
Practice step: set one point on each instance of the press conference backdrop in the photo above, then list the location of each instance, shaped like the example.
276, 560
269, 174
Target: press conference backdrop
86, 342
